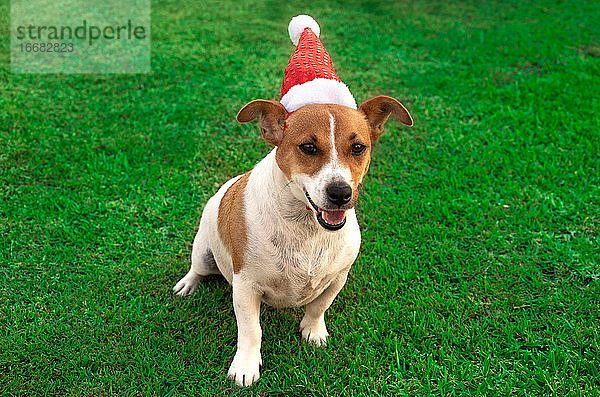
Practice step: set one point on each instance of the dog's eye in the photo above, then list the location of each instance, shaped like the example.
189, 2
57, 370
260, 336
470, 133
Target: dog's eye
309, 148
358, 149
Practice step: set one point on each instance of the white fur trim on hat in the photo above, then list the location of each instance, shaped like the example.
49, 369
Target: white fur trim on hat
317, 91
298, 24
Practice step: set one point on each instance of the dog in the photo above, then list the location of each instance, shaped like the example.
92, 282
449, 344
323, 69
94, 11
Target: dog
285, 233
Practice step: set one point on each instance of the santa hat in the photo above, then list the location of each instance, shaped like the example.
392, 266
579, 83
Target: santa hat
309, 77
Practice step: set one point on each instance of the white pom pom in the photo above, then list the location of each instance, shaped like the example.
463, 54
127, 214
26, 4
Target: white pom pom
299, 23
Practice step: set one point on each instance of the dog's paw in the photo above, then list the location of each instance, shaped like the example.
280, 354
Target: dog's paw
188, 284
314, 331
244, 369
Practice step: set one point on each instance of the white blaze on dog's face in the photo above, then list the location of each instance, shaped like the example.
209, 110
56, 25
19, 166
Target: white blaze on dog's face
325, 150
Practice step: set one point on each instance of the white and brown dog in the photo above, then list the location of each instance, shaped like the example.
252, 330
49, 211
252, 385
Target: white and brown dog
286, 232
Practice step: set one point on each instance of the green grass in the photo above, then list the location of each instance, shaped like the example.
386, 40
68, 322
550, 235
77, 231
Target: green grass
480, 264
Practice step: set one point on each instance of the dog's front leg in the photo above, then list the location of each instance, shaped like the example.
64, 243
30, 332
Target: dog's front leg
312, 325
246, 302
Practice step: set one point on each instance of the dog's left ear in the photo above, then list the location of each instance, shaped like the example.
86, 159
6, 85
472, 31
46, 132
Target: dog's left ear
271, 120
378, 109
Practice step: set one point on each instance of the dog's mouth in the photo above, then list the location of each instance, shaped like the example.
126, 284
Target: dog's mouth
330, 220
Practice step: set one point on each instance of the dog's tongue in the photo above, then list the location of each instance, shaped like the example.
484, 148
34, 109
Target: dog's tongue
334, 217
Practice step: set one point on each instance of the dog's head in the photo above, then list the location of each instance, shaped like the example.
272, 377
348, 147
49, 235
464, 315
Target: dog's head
324, 150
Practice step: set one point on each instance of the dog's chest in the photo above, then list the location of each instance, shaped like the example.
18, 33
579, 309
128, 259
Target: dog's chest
302, 267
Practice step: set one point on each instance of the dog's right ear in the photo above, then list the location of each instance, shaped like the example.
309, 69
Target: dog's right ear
271, 118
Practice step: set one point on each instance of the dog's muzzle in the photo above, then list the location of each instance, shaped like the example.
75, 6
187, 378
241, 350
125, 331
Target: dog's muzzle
331, 220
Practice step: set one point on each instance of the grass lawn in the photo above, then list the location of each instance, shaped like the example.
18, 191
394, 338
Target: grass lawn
480, 264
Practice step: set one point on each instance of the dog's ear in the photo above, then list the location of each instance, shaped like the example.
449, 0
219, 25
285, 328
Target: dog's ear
271, 118
378, 109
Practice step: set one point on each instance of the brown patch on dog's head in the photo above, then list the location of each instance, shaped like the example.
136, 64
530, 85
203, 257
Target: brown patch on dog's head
312, 125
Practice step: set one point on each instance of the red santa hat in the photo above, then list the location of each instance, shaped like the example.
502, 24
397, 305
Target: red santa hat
309, 77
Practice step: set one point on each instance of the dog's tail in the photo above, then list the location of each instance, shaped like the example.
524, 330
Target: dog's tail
298, 24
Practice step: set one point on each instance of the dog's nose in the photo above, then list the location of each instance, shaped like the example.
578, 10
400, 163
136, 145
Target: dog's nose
339, 193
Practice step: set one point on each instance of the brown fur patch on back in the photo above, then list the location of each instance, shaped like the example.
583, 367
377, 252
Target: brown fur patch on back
231, 222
